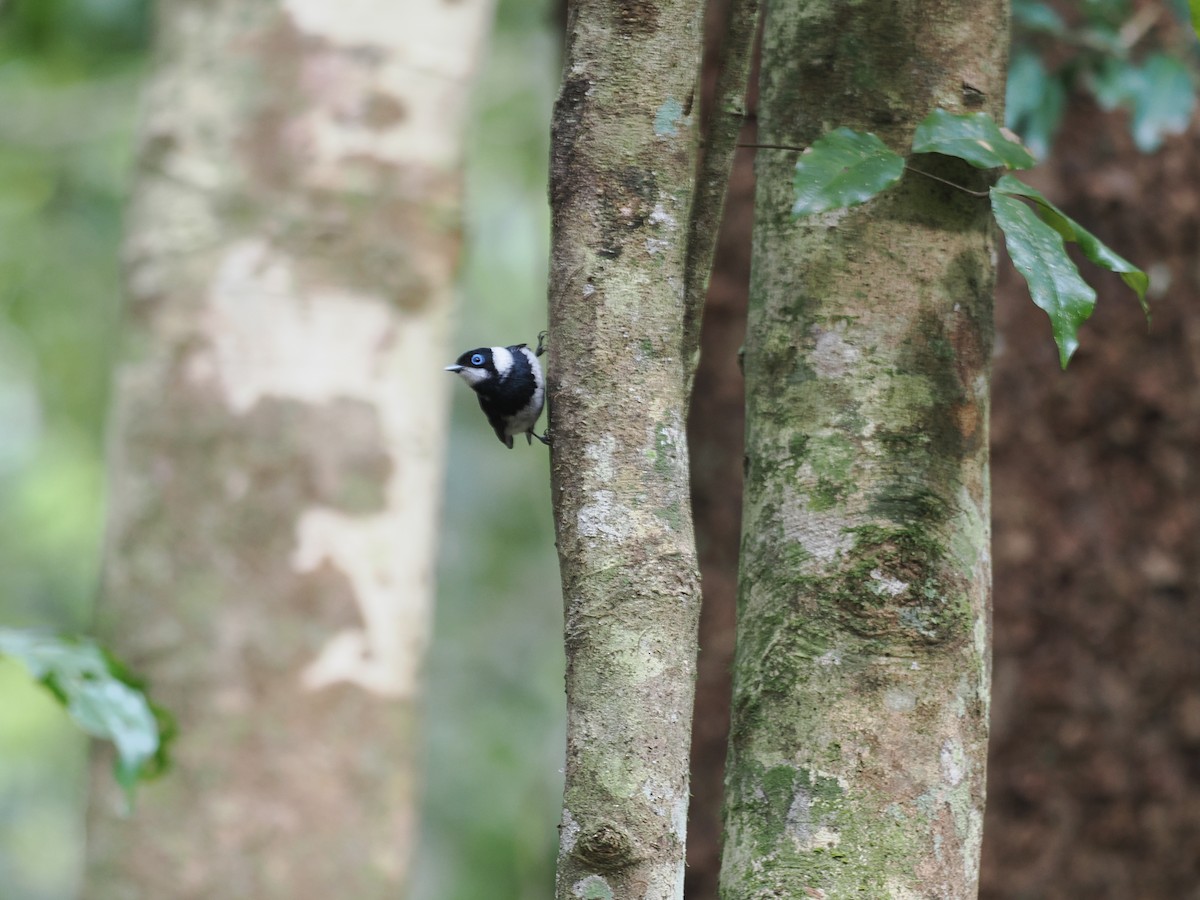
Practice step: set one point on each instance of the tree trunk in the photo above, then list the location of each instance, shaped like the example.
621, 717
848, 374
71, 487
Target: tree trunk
621, 185
278, 439
861, 683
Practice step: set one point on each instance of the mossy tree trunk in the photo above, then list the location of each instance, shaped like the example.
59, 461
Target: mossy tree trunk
861, 683
278, 439
621, 195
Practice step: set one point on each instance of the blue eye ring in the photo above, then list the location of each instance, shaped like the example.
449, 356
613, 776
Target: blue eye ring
477, 359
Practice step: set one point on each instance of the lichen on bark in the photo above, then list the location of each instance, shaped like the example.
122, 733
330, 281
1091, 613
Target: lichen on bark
622, 170
860, 700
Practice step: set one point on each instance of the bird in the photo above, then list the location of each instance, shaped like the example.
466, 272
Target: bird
510, 387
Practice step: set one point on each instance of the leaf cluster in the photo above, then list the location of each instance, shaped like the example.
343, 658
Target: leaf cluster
1141, 61
846, 168
102, 697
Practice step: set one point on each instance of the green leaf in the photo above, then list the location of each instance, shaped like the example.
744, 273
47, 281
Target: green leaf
1194, 5
843, 168
973, 137
1033, 102
104, 699
1070, 230
1054, 283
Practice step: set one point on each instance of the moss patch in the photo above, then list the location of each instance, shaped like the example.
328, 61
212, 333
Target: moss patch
805, 821
831, 457
899, 585
923, 442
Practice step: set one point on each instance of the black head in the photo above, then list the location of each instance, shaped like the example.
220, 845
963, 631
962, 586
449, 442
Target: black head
475, 366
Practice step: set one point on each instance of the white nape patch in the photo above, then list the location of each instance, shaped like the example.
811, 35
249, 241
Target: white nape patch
538, 379
471, 375
525, 419
502, 360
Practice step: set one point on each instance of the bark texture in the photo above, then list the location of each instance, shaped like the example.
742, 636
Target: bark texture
278, 438
621, 181
861, 684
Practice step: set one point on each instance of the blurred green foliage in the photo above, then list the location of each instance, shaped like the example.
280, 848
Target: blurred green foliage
69, 76
65, 140
495, 720
41, 829
1139, 58
101, 696
78, 35
69, 71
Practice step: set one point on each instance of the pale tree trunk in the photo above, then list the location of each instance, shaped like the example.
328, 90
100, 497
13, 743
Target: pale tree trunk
621, 187
278, 439
861, 683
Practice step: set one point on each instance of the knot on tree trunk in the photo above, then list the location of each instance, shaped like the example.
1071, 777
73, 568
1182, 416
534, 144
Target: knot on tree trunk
606, 847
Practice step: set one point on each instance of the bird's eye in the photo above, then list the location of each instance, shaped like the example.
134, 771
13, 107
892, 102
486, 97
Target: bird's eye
477, 359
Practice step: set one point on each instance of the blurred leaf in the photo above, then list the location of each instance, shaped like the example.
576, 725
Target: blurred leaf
843, 168
1103, 21
70, 72
1033, 102
1158, 91
103, 698
974, 137
1160, 94
1103, 37
1163, 105
1070, 230
1194, 8
83, 28
1037, 17
1038, 253
1113, 82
